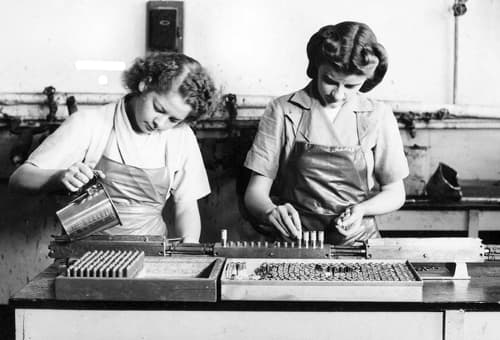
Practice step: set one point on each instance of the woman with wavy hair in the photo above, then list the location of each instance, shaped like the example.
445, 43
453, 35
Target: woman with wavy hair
324, 149
142, 146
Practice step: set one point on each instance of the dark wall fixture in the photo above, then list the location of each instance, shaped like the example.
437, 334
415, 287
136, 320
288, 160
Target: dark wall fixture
50, 92
164, 29
408, 119
71, 105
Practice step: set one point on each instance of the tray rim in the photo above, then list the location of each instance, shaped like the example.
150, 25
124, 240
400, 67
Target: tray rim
417, 282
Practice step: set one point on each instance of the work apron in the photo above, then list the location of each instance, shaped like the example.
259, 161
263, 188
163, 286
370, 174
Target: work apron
322, 181
138, 195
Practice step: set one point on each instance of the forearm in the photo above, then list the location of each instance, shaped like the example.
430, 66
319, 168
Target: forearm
257, 199
390, 198
187, 221
30, 179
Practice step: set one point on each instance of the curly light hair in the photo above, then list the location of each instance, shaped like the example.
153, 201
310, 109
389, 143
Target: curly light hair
162, 71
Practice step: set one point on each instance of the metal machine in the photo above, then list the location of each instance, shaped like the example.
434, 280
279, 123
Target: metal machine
446, 250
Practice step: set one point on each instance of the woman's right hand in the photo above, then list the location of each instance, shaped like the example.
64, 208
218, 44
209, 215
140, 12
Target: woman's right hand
285, 219
76, 176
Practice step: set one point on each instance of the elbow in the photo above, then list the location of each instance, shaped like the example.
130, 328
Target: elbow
248, 203
20, 181
395, 194
249, 199
14, 182
401, 196
246, 197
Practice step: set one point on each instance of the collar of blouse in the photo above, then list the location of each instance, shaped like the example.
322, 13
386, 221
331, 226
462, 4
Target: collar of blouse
303, 98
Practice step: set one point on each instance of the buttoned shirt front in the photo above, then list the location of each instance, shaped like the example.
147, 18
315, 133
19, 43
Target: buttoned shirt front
379, 135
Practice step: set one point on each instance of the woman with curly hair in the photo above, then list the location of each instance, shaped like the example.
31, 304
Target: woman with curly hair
322, 149
142, 146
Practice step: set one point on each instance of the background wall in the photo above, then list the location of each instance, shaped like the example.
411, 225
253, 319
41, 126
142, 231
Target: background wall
250, 47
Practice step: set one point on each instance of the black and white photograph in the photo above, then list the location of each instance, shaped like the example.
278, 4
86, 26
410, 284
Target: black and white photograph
235, 169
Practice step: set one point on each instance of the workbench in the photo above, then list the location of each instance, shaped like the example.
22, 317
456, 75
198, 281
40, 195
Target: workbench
450, 310
479, 210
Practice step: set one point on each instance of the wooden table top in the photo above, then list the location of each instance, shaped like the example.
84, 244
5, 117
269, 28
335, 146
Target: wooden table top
481, 292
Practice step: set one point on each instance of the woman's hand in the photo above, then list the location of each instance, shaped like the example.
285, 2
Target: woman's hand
349, 222
285, 219
76, 176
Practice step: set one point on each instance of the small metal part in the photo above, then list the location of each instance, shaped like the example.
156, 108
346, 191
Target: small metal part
234, 271
266, 244
305, 237
313, 239
334, 271
223, 237
459, 8
321, 238
245, 244
50, 92
259, 244
285, 245
252, 244
121, 260
71, 105
107, 264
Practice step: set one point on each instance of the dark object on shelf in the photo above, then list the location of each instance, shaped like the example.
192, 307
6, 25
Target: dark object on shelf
71, 105
50, 92
443, 185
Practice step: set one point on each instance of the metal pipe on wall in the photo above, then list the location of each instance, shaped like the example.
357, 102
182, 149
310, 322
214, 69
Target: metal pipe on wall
459, 9
255, 104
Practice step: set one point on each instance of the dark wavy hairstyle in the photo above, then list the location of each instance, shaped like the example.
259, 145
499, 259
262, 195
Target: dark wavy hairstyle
351, 48
161, 71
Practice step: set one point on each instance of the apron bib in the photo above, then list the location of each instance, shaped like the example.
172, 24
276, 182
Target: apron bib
321, 181
138, 194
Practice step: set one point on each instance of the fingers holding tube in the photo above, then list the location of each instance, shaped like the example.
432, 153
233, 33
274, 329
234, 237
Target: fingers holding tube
350, 221
285, 219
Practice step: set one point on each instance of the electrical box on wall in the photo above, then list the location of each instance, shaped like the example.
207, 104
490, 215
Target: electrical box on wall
164, 26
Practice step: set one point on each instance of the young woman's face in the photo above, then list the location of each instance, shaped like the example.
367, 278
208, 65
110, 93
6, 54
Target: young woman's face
336, 88
155, 111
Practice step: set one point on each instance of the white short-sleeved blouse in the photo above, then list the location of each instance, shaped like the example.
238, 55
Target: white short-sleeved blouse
84, 136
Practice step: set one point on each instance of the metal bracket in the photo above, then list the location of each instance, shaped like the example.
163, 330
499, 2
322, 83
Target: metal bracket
459, 8
408, 119
50, 91
230, 103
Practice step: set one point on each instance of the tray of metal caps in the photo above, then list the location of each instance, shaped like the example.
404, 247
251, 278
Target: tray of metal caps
320, 280
129, 275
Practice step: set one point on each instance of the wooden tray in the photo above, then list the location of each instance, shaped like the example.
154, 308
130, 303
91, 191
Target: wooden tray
161, 279
295, 290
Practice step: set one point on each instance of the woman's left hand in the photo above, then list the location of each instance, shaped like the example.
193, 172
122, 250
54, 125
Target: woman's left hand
349, 222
